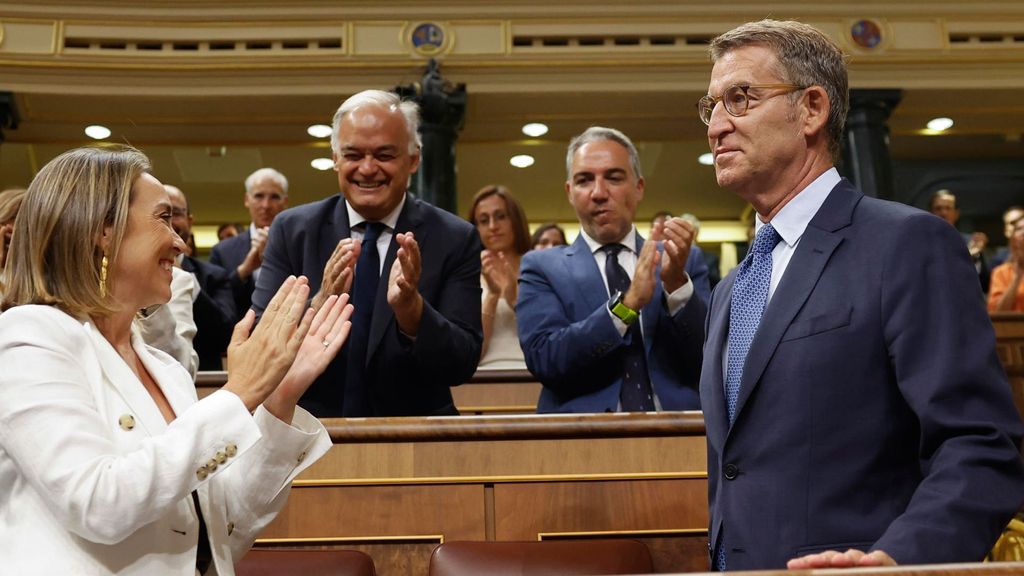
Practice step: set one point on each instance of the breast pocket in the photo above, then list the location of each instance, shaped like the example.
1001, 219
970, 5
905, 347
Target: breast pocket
819, 323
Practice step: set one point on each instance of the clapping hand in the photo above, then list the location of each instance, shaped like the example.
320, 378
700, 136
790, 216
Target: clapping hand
338, 272
257, 362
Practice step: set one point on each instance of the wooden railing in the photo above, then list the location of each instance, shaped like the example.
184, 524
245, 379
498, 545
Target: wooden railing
488, 392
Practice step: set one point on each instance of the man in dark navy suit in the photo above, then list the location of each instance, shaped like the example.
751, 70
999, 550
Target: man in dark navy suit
855, 408
214, 308
412, 270
266, 195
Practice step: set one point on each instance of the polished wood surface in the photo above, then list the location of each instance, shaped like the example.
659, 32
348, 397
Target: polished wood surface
1009, 329
395, 487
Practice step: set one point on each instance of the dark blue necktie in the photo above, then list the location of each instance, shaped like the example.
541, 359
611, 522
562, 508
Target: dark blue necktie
364, 296
635, 394
749, 298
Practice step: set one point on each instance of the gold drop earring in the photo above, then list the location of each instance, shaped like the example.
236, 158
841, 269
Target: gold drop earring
103, 276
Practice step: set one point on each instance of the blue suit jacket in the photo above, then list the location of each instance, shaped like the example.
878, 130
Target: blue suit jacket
571, 344
873, 411
408, 377
228, 254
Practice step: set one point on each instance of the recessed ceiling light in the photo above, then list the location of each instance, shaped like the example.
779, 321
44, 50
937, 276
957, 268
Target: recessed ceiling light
322, 163
940, 124
521, 161
319, 130
97, 132
535, 129
707, 159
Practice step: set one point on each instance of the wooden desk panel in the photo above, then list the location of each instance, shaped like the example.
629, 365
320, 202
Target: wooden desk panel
395, 487
1009, 328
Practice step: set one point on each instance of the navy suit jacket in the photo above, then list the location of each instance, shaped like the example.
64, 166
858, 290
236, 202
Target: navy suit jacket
873, 411
228, 254
572, 346
213, 312
409, 377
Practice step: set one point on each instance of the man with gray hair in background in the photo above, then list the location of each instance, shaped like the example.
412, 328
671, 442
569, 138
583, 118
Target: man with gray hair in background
266, 195
856, 411
412, 270
613, 322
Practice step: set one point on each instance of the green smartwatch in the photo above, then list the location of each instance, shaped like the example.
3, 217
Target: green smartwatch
620, 310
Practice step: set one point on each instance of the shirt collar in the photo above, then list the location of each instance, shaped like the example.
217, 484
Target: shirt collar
629, 240
391, 220
794, 217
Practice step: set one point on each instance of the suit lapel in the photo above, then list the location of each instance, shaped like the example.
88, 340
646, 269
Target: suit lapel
126, 384
410, 219
717, 332
586, 277
649, 314
165, 375
336, 228
816, 246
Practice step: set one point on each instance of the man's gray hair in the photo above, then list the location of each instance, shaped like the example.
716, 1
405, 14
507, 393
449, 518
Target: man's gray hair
387, 100
266, 174
596, 134
807, 57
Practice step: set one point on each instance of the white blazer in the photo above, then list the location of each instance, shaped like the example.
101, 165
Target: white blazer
94, 481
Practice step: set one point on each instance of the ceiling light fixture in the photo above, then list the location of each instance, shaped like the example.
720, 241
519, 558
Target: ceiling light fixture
707, 159
521, 161
322, 163
97, 132
940, 124
319, 131
535, 129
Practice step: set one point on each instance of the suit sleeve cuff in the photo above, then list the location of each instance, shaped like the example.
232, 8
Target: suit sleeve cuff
678, 299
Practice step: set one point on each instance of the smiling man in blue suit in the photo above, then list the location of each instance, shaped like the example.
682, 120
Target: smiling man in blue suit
613, 323
856, 410
412, 271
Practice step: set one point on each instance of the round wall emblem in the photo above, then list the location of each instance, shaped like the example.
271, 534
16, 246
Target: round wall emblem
866, 34
428, 39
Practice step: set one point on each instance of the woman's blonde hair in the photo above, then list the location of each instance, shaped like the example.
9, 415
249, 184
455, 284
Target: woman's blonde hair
10, 202
56, 253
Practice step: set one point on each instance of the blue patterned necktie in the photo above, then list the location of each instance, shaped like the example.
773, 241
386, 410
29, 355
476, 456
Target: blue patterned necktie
635, 394
749, 297
364, 296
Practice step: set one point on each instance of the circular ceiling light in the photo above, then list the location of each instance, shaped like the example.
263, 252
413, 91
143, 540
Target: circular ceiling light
319, 131
707, 159
535, 129
521, 161
322, 163
97, 132
940, 124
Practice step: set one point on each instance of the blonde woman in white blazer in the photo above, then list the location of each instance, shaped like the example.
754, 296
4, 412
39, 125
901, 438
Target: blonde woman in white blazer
105, 450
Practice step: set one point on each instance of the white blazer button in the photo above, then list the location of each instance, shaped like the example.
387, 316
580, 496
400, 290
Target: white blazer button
231, 450
302, 456
202, 473
126, 421
221, 457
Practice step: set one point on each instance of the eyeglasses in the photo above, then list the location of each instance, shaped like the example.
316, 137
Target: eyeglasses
736, 99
